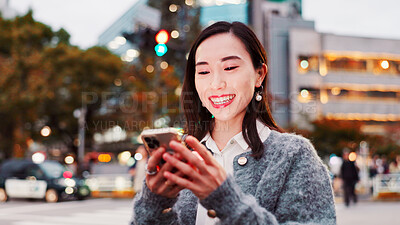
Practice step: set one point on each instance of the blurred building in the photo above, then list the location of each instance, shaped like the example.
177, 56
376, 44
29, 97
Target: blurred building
140, 14
312, 75
5, 10
343, 78
317, 75
223, 10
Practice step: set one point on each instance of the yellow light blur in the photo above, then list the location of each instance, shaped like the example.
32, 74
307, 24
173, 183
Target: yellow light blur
120, 40
174, 34
69, 160
164, 65
331, 57
30, 142
304, 93
117, 82
189, 2
352, 156
138, 156
336, 91
385, 64
113, 45
178, 91
304, 64
69, 190
120, 183
45, 131
324, 97
104, 158
70, 182
38, 157
149, 68
133, 53
323, 69
123, 157
363, 116
173, 8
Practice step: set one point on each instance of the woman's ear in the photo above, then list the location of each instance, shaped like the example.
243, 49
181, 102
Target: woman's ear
262, 72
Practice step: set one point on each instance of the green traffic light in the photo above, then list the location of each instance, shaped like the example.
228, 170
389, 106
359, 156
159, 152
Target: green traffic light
161, 49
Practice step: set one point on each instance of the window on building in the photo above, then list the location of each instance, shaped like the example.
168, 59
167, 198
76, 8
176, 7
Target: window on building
346, 64
307, 64
386, 66
380, 94
307, 94
343, 94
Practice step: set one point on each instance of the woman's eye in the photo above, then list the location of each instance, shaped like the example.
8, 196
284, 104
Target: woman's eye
231, 68
203, 72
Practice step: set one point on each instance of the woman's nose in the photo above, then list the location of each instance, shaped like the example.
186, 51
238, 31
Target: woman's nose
217, 82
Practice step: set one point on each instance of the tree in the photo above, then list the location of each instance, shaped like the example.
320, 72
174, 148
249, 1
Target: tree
154, 90
43, 80
332, 136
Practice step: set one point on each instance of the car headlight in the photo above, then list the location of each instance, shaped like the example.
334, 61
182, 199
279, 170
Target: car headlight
70, 182
67, 182
84, 191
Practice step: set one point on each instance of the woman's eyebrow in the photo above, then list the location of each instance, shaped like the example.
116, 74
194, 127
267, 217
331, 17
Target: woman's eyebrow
230, 57
201, 63
222, 60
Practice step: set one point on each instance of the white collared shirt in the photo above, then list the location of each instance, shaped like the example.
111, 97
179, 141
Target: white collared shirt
235, 146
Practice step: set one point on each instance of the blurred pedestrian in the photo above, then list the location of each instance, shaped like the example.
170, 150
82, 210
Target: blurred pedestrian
140, 170
246, 170
394, 166
349, 175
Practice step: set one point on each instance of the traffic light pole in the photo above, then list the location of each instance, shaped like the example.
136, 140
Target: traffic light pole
156, 83
81, 146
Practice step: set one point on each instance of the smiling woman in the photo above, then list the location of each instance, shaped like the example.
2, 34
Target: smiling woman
245, 170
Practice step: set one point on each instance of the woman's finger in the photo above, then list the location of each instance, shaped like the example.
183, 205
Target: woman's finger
155, 159
181, 166
173, 192
182, 182
178, 164
200, 148
188, 155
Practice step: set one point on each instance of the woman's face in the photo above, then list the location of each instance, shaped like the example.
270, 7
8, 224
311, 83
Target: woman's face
225, 77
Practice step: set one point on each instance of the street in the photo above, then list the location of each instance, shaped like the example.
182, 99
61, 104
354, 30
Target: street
87, 212
368, 213
118, 211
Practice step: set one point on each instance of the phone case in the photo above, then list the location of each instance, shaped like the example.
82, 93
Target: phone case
155, 138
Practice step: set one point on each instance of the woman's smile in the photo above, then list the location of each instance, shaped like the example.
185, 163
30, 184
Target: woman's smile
221, 101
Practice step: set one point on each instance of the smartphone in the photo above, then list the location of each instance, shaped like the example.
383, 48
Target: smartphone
155, 138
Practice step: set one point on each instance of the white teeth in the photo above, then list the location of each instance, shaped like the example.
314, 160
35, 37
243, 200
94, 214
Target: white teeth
222, 100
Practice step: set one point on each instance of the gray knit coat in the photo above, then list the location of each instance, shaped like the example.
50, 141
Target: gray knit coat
288, 185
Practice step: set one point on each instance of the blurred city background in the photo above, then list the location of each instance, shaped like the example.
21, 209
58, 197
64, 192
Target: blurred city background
79, 81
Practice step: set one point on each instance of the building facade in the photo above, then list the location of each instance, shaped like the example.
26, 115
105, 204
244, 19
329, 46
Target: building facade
314, 75
212, 11
139, 15
5, 10
343, 78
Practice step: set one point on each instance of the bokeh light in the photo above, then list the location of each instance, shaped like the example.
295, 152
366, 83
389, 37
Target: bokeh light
304, 64
352, 156
69, 159
385, 64
45, 131
38, 157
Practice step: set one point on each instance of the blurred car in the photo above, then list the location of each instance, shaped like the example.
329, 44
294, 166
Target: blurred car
48, 180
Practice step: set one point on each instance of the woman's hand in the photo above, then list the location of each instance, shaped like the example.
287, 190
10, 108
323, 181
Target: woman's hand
203, 174
157, 183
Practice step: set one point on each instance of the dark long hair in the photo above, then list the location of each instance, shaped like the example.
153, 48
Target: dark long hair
198, 119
